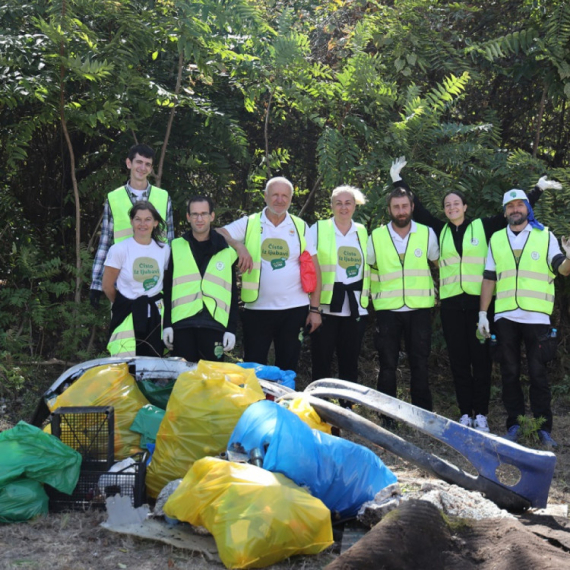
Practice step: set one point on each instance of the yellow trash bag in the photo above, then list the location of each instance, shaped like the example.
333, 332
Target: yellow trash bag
256, 517
301, 407
202, 412
109, 385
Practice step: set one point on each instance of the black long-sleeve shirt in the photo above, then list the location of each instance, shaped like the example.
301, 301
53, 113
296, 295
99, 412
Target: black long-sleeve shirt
491, 224
202, 251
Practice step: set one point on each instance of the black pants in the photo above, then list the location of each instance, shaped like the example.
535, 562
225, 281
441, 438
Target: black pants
509, 336
150, 343
198, 343
470, 360
282, 327
343, 335
415, 327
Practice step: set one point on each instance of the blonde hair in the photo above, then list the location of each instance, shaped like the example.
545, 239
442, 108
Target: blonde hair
359, 197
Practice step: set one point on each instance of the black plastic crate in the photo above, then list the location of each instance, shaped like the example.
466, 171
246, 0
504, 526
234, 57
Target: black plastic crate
93, 487
88, 430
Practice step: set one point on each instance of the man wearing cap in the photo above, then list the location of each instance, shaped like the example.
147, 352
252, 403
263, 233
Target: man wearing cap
116, 225
276, 307
522, 261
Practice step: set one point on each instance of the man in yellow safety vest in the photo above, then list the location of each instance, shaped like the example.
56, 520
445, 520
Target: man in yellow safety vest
522, 261
116, 226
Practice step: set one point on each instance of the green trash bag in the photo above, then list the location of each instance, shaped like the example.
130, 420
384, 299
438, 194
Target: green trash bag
147, 421
22, 500
27, 451
157, 395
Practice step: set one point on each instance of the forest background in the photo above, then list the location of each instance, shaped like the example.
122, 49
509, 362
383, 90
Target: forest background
231, 92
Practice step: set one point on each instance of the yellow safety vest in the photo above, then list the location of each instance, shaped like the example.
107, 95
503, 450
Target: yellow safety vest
121, 204
328, 260
123, 342
395, 284
462, 274
250, 281
191, 291
528, 284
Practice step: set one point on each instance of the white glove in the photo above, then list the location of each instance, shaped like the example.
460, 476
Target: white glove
566, 246
229, 341
543, 184
397, 165
168, 338
483, 326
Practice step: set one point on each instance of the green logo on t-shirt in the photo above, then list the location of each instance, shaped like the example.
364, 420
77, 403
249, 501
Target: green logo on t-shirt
276, 251
350, 258
146, 271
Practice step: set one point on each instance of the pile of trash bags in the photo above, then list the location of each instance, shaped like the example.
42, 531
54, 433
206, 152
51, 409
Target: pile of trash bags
267, 479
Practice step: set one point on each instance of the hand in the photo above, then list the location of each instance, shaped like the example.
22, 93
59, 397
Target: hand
566, 246
543, 184
168, 338
94, 297
245, 261
483, 326
397, 165
315, 320
229, 341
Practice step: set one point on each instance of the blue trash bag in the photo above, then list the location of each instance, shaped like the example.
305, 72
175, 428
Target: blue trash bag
272, 373
341, 473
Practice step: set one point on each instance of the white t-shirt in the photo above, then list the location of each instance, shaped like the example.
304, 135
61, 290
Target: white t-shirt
401, 243
141, 267
350, 266
517, 244
280, 279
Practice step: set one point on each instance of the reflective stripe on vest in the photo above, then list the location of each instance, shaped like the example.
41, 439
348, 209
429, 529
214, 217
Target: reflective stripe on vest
327, 252
121, 204
395, 284
530, 285
250, 281
122, 342
191, 291
462, 274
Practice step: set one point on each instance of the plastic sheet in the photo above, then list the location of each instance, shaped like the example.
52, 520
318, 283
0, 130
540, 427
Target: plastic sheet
109, 385
203, 410
26, 451
22, 500
156, 394
301, 407
272, 373
256, 517
147, 423
341, 473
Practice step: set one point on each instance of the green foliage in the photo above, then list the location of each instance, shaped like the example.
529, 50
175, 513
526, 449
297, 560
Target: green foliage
529, 428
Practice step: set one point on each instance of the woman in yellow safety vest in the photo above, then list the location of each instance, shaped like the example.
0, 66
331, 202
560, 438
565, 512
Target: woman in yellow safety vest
463, 244
341, 251
132, 281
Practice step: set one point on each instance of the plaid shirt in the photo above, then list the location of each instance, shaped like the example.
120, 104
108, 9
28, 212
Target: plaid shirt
106, 240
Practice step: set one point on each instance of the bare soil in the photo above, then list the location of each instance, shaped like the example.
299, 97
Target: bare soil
75, 541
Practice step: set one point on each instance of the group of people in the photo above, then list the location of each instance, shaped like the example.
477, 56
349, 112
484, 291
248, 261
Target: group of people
184, 295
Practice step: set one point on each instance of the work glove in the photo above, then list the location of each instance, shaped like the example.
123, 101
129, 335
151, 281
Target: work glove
95, 297
483, 326
229, 341
168, 338
566, 246
397, 165
543, 184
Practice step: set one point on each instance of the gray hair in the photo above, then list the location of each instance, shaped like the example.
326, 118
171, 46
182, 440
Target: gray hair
359, 197
277, 179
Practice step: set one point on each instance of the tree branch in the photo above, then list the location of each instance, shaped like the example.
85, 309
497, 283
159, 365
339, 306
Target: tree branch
539, 121
266, 134
311, 194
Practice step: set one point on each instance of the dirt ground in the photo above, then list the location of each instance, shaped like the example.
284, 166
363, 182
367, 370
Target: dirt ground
75, 541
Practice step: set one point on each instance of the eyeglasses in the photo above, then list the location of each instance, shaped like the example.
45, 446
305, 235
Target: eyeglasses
196, 215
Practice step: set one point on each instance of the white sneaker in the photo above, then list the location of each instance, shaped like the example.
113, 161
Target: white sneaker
466, 421
480, 423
